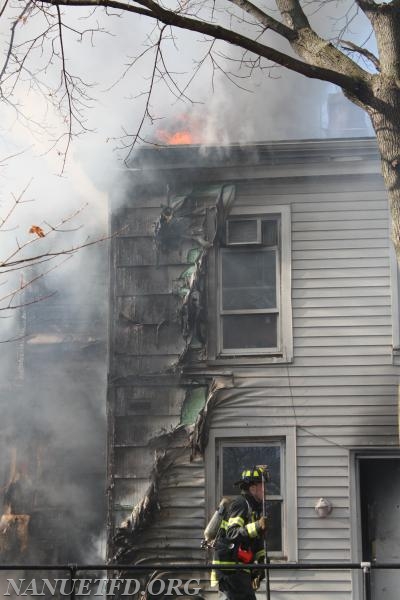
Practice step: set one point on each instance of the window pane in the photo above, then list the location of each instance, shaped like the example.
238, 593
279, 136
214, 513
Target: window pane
249, 331
269, 232
242, 232
274, 533
236, 458
248, 279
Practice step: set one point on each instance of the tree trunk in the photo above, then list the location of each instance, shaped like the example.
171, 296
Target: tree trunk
383, 106
385, 117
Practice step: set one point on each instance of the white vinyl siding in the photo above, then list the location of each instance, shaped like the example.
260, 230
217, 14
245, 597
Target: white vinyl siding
340, 392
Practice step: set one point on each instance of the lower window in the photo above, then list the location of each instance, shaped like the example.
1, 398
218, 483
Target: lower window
234, 457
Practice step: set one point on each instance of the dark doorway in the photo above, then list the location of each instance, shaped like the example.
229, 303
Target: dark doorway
380, 522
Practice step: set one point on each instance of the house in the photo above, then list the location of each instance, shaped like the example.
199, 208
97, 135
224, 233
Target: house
254, 319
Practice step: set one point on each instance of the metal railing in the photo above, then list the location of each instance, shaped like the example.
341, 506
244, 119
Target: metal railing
74, 569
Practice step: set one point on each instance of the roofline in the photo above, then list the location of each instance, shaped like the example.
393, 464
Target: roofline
148, 158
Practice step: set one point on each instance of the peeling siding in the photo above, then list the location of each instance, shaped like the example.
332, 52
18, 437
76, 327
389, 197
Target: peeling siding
340, 391
150, 459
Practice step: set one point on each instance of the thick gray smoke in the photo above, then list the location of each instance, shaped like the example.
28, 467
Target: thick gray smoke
242, 101
52, 428
53, 376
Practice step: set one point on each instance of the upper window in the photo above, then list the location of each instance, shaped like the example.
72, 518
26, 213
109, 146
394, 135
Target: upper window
254, 285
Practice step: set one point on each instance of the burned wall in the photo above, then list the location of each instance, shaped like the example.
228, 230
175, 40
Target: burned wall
158, 329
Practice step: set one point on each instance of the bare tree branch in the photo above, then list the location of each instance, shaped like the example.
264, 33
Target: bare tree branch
12, 36
293, 14
265, 19
347, 81
3, 8
10, 296
17, 200
146, 112
20, 259
347, 45
66, 85
28, 261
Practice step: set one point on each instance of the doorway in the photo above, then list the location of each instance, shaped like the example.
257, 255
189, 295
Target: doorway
379, 479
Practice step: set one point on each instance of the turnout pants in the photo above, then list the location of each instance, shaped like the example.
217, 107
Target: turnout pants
237, 586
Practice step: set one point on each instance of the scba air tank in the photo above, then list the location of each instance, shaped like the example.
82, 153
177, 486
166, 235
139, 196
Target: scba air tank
214, 524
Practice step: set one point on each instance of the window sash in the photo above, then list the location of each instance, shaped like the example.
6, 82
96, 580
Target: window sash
249, 311
287, 436
246, 443
276, 310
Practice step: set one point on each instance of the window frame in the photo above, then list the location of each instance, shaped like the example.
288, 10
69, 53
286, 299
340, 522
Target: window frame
279, 442
284, 349
287, 437
247, 248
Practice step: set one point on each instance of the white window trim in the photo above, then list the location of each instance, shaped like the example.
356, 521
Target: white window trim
285, 350
290, 533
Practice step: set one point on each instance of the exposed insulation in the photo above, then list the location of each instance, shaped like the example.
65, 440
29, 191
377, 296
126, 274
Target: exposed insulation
194, 402
185, 218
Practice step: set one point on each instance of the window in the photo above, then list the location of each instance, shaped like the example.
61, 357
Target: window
235, 457
253, 272
226, 457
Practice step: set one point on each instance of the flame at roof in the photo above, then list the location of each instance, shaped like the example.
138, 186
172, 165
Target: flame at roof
182, 129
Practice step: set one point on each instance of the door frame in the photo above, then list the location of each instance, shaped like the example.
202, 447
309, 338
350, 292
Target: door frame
356, 455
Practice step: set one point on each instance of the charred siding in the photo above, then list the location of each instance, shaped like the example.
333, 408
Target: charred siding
149, 458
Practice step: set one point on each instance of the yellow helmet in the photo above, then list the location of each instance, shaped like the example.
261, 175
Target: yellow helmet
255, 474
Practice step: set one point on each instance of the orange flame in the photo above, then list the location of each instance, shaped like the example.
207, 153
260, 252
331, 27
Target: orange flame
175, 138
182, 129
181, 137
14, 527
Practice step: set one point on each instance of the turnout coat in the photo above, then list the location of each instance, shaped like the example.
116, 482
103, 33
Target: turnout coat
239, 536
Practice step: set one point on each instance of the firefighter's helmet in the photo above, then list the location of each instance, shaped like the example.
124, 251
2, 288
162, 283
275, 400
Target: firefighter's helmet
256, 474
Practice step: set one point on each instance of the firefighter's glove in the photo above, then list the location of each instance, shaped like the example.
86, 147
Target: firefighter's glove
262, 525
255, 583
256, 577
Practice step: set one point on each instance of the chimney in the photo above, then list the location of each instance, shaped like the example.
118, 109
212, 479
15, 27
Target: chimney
345, 119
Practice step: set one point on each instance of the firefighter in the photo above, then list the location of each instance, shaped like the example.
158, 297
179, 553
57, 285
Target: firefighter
241, 538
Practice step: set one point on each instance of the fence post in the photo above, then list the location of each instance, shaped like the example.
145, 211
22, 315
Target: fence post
366, 569
72, 573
